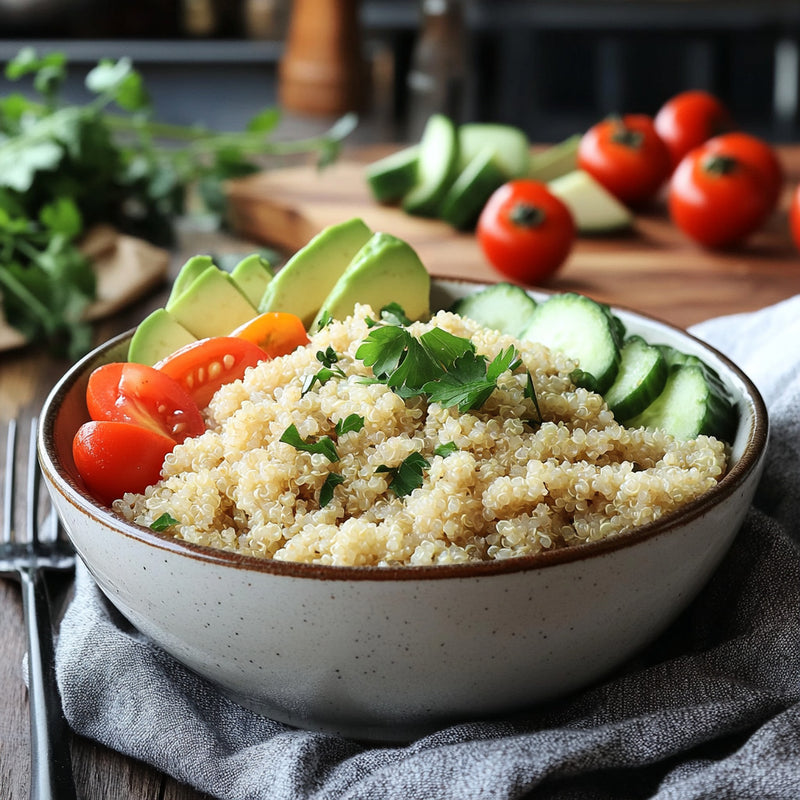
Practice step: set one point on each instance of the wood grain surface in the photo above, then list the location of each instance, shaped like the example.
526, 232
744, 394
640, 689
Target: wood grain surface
652, 269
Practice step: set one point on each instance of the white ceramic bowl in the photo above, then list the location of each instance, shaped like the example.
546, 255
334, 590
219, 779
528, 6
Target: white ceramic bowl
389, 653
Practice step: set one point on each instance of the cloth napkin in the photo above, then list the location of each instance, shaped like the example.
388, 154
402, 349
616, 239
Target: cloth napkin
710, 710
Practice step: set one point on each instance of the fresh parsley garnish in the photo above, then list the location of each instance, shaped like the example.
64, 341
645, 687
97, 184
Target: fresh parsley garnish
325, 319
326, 492
408, 475
166, 520
323, 445
446, 449
328, 358
394, 314
352, 422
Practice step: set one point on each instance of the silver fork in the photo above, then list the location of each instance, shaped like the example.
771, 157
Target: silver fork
27, 557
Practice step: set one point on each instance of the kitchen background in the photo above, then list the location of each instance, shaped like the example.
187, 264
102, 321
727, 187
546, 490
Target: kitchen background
552, 68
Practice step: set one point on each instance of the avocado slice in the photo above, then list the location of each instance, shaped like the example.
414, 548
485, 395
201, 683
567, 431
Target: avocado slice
212, 305
386, 270
555, 161
302, 285
594, 209
156, 336
251, 275
186, 275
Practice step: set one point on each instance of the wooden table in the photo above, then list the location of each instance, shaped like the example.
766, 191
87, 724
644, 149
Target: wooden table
653, 269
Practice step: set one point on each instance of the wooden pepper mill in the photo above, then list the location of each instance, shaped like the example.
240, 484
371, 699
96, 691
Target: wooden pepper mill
323, 71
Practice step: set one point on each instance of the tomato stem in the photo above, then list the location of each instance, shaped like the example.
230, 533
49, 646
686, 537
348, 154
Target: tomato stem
525, 215
624, 135
717, 164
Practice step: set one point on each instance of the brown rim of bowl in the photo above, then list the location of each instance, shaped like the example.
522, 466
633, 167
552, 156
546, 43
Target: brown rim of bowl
77, 496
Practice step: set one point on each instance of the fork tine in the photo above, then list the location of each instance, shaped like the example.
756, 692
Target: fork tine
34, 484
8, 482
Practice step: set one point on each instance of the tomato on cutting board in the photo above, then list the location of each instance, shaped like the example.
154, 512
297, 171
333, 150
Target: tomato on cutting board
690, 118
626, 156
275, 332
142, 395
525, 231
117, 457
718, 198
203, 366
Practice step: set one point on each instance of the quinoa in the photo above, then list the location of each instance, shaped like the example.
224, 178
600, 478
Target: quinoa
503, 486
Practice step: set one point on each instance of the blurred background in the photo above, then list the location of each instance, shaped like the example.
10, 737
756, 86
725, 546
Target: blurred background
552, 68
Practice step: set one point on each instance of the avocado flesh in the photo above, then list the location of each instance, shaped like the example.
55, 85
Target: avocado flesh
555, 161
212, 305
311, 273
386, 270
252, 275
158, 335
186, 276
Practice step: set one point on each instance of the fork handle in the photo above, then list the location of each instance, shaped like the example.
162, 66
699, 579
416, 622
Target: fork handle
51, 763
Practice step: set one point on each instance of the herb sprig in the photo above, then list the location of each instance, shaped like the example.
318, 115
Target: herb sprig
64, 168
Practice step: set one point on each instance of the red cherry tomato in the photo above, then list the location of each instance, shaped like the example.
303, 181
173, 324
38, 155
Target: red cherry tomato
141, 395
627, 156
118, 457
690, 118
525, 231
203, 366
757, 153
794, 217
717, 199
275, 332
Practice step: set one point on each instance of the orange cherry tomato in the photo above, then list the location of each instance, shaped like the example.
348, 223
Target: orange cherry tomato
203, 366
117, 457
627, 156
525, 231
142, 395
690, 118
275, 332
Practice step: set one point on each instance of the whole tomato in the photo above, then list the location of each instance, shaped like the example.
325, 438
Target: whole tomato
690, 118
757, 153
525, 231
627, 156
794, 217
716, 198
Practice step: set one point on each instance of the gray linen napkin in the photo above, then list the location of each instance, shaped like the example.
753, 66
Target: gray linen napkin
710, 710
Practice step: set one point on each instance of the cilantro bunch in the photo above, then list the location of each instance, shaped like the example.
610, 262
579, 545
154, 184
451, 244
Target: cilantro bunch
64, 168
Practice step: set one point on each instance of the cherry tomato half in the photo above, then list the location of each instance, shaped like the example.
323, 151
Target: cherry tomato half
118, 457
525, 231
757, 153
627, 156
275, 332
142, 395
203, 366
690, 118
717, 199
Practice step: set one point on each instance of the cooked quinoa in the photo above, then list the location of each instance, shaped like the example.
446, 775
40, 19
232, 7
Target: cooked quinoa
503, 486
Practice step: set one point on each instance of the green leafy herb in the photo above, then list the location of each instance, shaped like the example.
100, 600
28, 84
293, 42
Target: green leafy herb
530, 393
65, 168
328, 358
165, 521
352, 422
394, 314
323, 445
408, 475
446, 449
326, 492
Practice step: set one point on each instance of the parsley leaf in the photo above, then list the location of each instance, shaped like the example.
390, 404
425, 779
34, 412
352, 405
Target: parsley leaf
165, 521
408, 475
323, 445
352, 422
446, 449
394, 314
326, 492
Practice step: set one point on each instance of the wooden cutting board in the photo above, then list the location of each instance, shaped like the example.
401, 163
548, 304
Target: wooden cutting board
653, 268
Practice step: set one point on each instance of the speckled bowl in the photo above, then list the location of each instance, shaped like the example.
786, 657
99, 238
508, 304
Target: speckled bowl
391, 653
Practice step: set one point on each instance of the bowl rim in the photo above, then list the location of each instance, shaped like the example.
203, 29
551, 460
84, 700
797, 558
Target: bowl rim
76, 495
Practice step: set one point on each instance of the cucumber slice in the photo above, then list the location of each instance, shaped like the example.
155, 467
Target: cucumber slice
392, 177
469, 192
438, 164
692, 403
594, 209
640, 379
502, 307
510, 145
555, 161
584, 330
